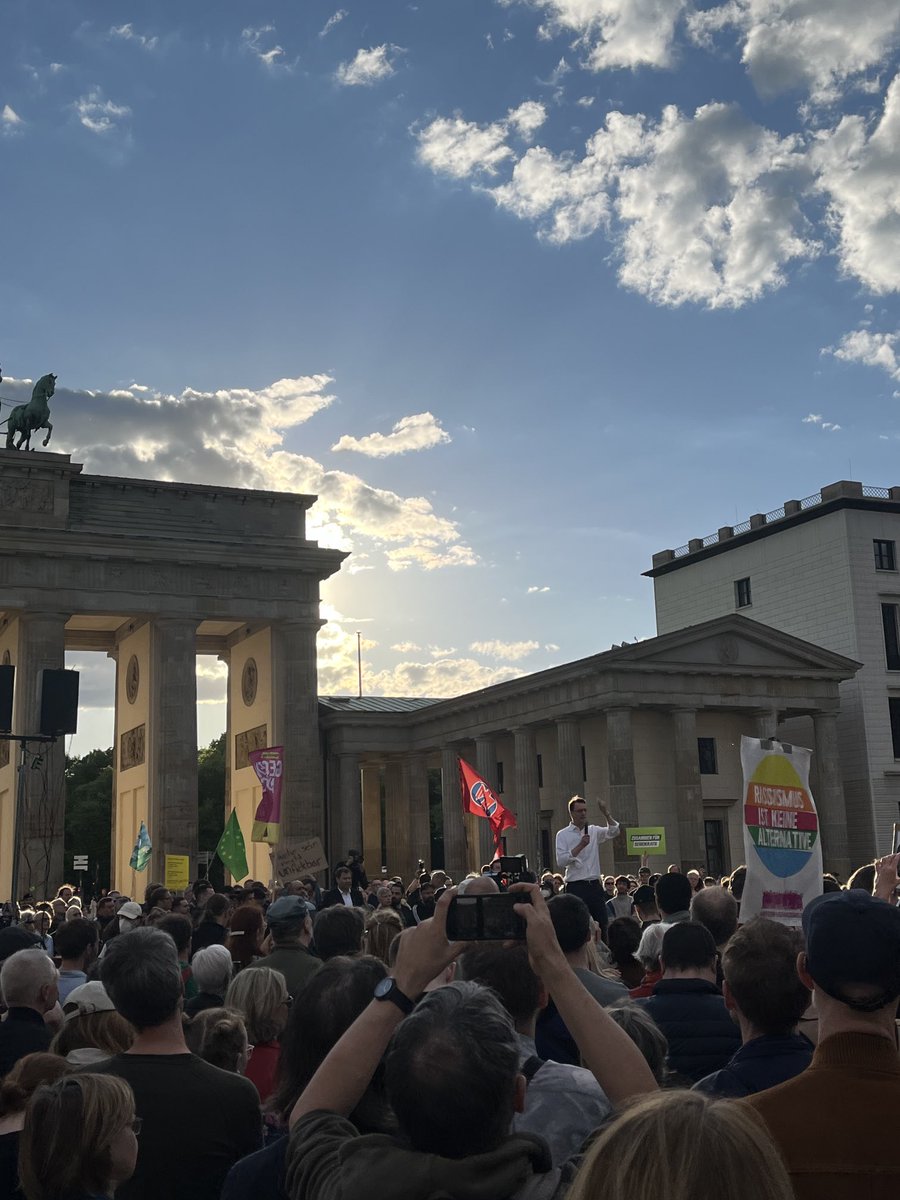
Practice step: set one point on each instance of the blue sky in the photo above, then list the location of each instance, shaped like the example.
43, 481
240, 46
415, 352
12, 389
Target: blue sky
525, 290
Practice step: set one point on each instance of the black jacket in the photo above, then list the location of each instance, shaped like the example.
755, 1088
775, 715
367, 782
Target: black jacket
23, 1032
333, 896
762, 1063
691, 1013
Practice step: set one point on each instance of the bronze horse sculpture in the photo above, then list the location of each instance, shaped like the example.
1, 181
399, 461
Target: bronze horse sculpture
26, 418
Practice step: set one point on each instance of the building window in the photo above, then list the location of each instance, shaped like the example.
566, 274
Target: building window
706, 751
715, 847
885, 559
540, 767
891, 636
894, 706
499, 778
742, 593
583, 766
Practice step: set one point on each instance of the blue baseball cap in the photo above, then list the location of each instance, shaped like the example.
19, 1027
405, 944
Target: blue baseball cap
853, 939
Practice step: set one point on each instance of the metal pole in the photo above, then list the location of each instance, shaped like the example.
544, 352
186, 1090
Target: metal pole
359, 660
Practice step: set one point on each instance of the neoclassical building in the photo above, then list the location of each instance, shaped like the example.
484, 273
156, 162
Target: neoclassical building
653, 728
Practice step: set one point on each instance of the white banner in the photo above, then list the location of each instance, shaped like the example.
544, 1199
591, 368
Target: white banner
782, 843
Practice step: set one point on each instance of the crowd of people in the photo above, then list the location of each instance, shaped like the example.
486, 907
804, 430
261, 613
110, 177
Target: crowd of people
317, 1044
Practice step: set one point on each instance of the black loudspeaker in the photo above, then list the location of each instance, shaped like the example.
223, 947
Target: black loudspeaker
7, 679
59, 702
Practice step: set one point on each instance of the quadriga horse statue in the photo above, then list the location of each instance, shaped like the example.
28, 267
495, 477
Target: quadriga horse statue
26, 418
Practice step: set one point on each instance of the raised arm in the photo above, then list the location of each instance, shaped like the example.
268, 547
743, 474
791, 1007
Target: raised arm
612, 825
606, 1049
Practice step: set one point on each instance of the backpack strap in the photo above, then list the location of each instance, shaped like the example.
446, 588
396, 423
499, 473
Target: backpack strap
531, 1066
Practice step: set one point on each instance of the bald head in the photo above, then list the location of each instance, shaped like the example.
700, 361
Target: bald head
482, 886
717, 909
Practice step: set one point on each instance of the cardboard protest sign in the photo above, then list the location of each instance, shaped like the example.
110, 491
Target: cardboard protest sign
782, 845
646, 839
306, 858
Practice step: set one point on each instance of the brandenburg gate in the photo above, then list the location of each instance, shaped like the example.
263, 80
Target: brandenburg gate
155, 573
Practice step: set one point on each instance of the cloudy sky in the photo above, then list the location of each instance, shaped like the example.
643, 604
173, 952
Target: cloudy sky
524, 290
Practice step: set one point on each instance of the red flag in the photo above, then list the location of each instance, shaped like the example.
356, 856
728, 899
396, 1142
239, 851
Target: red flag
479, 799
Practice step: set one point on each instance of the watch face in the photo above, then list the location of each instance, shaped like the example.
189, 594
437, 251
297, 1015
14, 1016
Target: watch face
382, 987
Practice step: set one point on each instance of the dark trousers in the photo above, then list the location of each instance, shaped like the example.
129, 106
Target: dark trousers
593, 893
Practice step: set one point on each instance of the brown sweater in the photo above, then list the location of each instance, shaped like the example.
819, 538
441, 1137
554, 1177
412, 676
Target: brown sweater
836, 1123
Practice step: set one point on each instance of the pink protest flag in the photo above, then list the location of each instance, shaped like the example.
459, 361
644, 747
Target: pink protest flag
269, 767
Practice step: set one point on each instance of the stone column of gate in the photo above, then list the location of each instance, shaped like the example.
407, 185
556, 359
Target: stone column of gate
568, 752
397, 853
172, 752
486, 766
829, 796
622, 801
455, 856
295, 726
688, 795
346, 808
419, 812
41, 824
527, 794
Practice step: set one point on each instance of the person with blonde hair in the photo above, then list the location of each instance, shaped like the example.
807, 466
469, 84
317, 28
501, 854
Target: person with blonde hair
79, 1138
381, 928
683, 1146
219, 1037
261, 997
93, 1031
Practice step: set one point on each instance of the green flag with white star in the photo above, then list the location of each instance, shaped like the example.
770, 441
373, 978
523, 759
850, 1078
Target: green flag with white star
231, 849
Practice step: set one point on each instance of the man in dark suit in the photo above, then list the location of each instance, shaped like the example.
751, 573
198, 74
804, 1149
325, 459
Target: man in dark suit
344, 892
29, 983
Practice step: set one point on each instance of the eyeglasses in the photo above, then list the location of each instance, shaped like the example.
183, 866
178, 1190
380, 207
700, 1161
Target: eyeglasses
288, 1000
135, 1125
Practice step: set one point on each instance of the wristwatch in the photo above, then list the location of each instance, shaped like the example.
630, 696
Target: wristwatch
386, 989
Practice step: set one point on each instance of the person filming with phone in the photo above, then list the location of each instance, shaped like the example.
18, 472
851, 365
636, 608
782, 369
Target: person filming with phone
578, 853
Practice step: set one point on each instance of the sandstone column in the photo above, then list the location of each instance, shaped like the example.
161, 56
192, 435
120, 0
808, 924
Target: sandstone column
295, 726
829, 796
346, 808
568, 743
622, 788
455, 856
172, 822
527, 795
486, 766
396, 819
41, 823
688, 796
419, 811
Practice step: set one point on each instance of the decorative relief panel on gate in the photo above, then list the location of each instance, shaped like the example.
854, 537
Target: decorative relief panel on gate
250, 739
132, 748
27, 495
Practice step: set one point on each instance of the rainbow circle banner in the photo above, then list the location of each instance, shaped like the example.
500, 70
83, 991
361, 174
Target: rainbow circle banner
782, 846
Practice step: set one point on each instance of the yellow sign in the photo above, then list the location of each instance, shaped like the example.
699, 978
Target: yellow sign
178, 872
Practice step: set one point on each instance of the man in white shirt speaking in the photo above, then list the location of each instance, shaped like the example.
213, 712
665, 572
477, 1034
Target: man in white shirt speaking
578, 853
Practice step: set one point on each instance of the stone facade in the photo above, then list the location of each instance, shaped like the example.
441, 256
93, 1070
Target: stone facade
813, 574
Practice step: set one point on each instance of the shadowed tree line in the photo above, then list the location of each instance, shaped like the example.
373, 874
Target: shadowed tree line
89, 797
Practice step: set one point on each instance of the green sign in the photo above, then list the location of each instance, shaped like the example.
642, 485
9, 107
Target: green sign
646, 839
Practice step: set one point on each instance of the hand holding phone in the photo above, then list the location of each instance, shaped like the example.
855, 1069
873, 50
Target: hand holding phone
489, 918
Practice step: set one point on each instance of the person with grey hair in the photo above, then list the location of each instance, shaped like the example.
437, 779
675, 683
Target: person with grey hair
718, 910
454, 1138
212, 968
29, 984
197, 1119
647, 954
477, 885
646, 1035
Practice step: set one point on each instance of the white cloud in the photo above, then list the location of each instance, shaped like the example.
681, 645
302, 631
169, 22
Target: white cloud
535, 588
368, 67
820, 46
255, 41
585, 101
235, 436
813, 419
440, 679
441, 651
406, 647
126, 33
334, 19
418, 432
509, 650
99, 115
858, 172
870, 349
10, 121
615, 33
459, 148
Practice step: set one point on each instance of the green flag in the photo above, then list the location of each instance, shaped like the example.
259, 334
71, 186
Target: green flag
231, 849
140, 855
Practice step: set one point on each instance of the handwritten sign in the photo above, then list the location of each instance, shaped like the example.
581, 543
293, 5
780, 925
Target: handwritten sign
178, 872
306, 858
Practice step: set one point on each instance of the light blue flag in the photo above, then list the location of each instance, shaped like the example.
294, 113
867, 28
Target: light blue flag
140, 855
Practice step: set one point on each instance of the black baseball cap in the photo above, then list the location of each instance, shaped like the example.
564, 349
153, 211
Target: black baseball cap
644, 895
853, 938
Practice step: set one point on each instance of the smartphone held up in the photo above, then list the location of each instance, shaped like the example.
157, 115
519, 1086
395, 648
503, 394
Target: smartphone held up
486, 918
